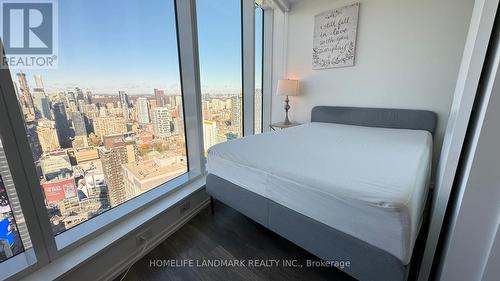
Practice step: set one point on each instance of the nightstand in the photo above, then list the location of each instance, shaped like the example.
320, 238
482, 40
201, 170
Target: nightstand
282, 125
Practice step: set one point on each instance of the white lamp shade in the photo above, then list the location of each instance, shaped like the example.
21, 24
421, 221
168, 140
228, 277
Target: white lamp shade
288, 87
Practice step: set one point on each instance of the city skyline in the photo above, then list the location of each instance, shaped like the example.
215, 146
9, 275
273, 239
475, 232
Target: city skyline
88, 149
122, 61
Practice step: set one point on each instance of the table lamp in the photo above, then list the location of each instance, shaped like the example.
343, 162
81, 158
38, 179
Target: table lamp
287, 87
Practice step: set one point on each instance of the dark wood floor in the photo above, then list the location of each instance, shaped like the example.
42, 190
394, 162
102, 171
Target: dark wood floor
228, 235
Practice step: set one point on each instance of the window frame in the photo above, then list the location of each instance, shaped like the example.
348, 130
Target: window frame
38, 254
267, 66
263, 45
248, 65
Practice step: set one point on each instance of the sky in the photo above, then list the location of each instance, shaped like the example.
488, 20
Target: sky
131, 45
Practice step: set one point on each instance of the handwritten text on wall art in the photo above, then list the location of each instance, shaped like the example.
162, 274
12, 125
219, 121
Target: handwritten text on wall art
334, 41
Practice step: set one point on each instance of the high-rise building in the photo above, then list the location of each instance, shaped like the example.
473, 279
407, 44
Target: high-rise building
116, 152
90, 99
36, 150
26, 98
125, 104
180, 117
142, 111
62, 124
209, 134
47, 136
206, 110
71, 96
72, 106
160, 98
258, 111
78, 123
144, 175
46, 108
70, 101
38, 95
160, 117
82, 105
104, 126
103, 112
236, 114
172, 101
39, 81
79, 94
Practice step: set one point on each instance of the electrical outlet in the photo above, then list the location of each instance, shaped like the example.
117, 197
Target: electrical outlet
185, 207
144, 236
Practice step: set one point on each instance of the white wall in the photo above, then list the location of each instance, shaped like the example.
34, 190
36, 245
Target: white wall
408, 55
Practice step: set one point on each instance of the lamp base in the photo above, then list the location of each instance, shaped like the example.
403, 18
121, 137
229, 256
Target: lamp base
287, 107
287, 121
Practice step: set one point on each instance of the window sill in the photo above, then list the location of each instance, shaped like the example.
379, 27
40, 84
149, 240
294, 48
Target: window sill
17, 263
78, 255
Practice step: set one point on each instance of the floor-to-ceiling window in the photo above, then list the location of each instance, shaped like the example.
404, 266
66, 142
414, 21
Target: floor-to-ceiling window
220, 55
107, 125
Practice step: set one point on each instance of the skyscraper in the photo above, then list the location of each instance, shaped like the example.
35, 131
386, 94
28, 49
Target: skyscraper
90, 99
160, 98
26, 98
46, 112
36, 150
47, 135
160, 117
78, 123
38, 95
81, 104
104, 126
39, 81
180, 116
116, 151
79, 94
258, 111
142, 111
236, 114
125, 103
62, 125
209, 134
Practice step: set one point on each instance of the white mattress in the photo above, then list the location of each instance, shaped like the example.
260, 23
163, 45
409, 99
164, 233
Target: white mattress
370, 183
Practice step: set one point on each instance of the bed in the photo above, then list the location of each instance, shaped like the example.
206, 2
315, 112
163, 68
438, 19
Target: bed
349, 186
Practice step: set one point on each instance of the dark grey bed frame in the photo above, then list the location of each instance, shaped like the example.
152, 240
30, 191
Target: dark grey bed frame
367, 262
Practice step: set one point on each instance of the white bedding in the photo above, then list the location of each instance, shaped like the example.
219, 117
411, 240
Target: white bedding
370, 183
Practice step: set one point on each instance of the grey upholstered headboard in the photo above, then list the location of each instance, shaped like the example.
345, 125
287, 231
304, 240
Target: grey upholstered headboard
376, 117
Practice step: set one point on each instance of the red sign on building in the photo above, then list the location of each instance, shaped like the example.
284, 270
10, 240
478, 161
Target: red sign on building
59, 190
